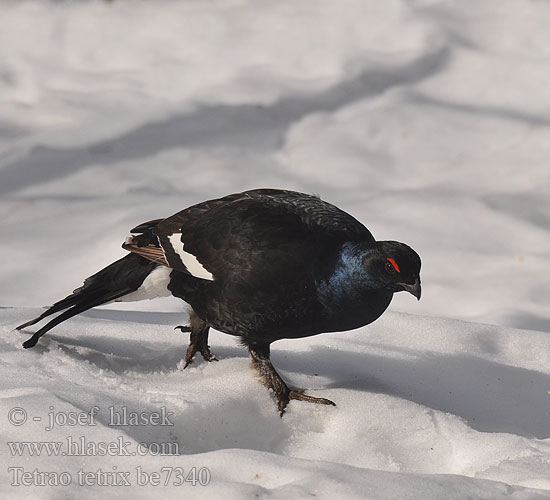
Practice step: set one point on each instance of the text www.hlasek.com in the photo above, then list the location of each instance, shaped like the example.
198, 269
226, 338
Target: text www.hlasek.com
83, 447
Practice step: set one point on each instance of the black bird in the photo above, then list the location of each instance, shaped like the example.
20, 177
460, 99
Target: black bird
263, 265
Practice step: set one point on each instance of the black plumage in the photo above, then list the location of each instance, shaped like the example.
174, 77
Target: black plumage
275, 264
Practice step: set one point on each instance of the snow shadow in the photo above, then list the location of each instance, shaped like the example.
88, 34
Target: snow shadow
200, 424
249, 126
499, 113
122, 355
490, 396
529, 321
198, 427
140, 317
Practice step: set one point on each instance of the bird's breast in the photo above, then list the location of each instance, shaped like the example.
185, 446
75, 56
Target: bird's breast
356, 311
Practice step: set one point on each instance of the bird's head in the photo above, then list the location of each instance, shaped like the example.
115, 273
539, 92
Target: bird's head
362, 268
393, 266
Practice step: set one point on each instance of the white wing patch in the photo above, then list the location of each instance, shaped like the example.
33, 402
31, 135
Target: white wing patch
192, 264
155, 285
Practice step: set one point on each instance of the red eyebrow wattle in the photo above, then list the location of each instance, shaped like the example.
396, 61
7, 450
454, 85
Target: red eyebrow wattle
394, 264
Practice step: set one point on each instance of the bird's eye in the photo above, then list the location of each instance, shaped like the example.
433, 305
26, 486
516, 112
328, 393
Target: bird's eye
389, 268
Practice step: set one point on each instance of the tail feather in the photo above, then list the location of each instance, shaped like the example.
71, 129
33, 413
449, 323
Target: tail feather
116, 280
67, 302
69, 313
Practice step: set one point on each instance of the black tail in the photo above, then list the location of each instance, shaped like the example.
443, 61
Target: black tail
116, 280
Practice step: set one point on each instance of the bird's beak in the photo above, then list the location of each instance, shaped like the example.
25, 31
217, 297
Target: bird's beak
415, 289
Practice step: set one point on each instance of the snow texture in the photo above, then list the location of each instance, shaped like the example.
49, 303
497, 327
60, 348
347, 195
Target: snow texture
427, 120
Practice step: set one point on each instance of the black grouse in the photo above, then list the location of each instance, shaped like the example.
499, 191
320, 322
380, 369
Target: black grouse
263, 265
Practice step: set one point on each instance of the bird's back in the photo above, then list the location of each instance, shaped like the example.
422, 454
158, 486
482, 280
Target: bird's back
266, 230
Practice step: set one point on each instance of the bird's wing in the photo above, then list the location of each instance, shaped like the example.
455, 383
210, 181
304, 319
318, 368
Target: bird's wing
265, 229
145, 243
150, 252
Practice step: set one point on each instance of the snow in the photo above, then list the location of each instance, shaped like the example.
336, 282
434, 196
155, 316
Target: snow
458, 408
427, 120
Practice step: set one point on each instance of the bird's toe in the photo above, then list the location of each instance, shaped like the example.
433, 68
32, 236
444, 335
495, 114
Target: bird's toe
300, 396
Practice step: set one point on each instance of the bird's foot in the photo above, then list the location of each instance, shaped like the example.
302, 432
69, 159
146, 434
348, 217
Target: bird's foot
272, 380
198, 344
193, 349
299, 395
284, 397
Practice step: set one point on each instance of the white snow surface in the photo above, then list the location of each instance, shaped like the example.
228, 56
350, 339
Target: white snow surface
427, 120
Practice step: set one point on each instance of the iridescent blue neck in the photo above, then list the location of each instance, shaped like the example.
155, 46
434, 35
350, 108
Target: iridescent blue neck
351, 296
348, 280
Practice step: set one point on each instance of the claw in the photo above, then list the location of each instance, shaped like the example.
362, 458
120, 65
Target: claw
198, 344
284, 398
193, 349
272, 380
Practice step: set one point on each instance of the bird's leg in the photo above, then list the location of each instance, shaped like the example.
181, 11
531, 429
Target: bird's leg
272, 380
199, 340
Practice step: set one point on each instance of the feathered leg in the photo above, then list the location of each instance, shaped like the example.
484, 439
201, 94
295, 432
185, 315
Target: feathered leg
199, 339
272, 380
